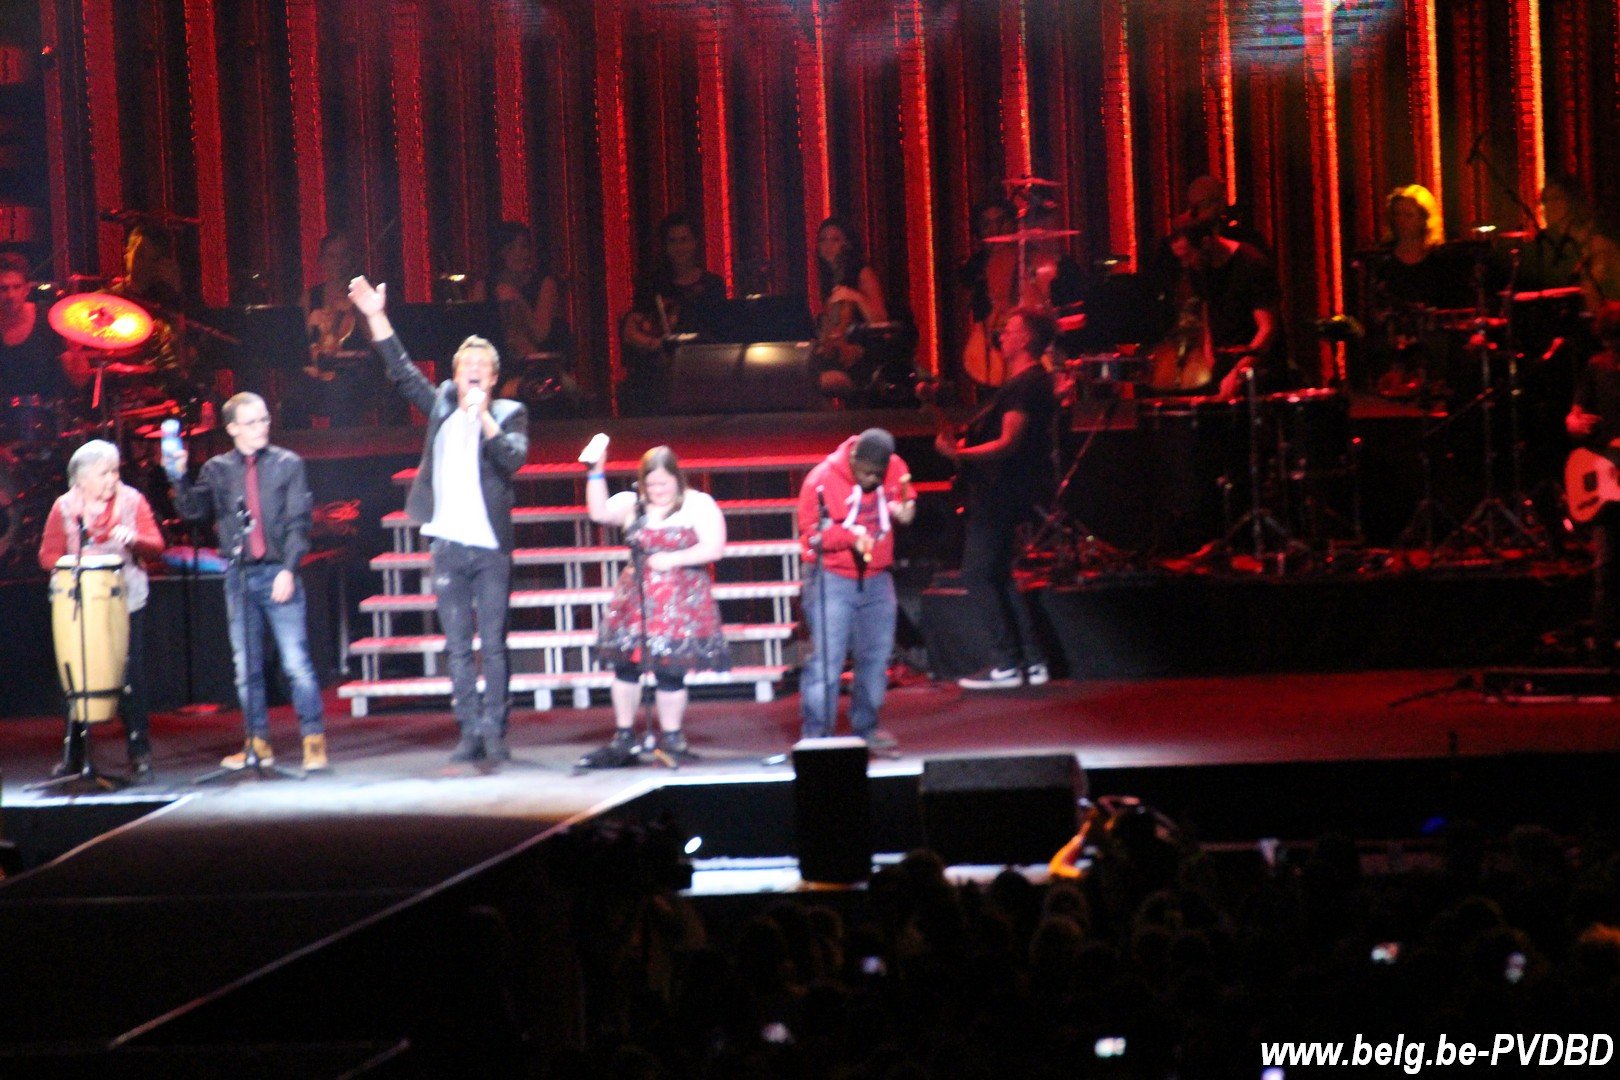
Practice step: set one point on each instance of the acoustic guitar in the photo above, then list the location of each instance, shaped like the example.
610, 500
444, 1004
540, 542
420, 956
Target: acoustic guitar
1591, 482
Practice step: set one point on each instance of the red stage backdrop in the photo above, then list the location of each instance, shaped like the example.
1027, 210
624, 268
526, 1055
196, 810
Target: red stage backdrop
419, 124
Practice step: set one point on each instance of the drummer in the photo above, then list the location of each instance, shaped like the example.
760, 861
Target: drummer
99, 515
30, 351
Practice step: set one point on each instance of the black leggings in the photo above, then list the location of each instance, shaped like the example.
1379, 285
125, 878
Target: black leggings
669, 682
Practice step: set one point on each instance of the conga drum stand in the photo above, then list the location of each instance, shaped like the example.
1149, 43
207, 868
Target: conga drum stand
75, 701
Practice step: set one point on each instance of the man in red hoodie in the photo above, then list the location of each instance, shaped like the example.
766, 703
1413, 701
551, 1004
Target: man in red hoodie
848, 508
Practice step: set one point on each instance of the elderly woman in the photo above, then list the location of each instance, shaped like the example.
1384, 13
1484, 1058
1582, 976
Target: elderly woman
100, 515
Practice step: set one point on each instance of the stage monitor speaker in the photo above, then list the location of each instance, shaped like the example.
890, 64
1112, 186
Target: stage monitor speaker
991, 811
770, 376
832, 810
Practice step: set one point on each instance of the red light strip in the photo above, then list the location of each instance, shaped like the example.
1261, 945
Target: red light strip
103, 139
1322, 122
1570, 72
917, 153
1118, 136
609, 23
511, 114
1524, 34
1219, 111
308, 131
405, 40
1471, 77
1015, 129
714, 143
810, 54
208, 148
50, 36
1423, 93
1368, 136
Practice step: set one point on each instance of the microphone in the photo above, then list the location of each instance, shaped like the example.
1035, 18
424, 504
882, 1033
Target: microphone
1553, 347
821, 503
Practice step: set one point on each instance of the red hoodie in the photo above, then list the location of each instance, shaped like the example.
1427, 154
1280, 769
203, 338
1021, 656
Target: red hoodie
872, 510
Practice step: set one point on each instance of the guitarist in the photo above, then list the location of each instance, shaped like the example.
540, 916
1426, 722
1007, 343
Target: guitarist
1236, 287
1594, 423
1006, 460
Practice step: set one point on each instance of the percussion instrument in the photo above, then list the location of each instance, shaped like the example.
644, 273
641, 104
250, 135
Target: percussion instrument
90, 625
1313, 433
31, 418
1201, 449
101, 320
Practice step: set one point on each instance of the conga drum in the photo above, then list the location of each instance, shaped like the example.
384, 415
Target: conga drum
91, 627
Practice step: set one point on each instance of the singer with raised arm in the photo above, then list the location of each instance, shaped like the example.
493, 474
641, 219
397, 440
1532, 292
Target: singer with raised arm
259, 500
462, 499
101, 515
849, 506
662, 619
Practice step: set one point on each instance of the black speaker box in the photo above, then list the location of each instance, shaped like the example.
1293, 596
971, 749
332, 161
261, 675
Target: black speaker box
832, 810
764, 377
998, 810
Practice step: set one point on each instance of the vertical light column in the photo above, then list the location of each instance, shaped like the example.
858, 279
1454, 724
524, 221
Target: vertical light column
208, 151
1569, 70
917, 150
1471, 80
1164, 192
1219, 129
106, 153
1368, 156
1322, 124
410, 143
1529, 142
1015, 131
56, 136
608, 17
511, 114
1118, 136
1423, 93
811, 78
308, 132
714, 144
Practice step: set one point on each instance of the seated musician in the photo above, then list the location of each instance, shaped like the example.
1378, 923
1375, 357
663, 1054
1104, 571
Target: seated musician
534, 341
1573, 247
677, 296
30, 351
1594, 422
850, 296
337, 384
1410, 277
1234, 287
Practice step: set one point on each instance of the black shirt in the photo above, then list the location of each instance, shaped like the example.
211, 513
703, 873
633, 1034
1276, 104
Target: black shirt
691, 308
1597, 390
219, 495
1023, 477
34, 365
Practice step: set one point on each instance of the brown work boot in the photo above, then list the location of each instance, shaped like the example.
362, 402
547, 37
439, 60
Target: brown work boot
239, 760
315, 753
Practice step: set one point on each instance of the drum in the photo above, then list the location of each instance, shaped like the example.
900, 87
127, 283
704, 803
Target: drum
31, 418
1313, 433
91, 630
1200, 451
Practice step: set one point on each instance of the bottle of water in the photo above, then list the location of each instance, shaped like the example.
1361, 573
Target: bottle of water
172, 448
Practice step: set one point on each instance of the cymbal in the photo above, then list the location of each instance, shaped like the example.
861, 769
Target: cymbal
100, 321
1031, 236
119, 367
1029, 182
1564, 292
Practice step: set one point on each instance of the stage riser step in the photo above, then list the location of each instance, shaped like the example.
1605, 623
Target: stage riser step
579, 515
572, 471
405, 603
575, 686
397, 561
533, 640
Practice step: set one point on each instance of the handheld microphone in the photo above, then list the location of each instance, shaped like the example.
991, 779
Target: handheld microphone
821, 502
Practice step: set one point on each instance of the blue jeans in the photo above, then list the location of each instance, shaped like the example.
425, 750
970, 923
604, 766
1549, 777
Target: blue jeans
858, 616
248, 603
468, 579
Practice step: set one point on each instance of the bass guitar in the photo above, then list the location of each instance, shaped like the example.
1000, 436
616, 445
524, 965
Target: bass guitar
1591, 482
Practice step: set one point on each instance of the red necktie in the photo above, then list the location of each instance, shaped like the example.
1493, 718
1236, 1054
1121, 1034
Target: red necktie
256, 545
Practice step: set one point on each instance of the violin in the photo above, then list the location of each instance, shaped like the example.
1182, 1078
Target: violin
833, 347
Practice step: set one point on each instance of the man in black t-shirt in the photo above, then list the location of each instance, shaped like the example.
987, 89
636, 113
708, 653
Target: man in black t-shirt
30, 351
1236, 286
1006, 461
1594, 423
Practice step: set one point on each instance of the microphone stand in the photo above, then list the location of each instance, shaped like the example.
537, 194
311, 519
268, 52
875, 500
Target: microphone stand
77, 700
829, 678
254, 765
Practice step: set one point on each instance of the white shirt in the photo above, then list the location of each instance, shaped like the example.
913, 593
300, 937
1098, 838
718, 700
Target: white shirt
695, 505
459, 513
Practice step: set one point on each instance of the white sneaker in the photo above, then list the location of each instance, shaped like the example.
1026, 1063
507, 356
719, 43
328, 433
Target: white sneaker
1037, 675
993, 679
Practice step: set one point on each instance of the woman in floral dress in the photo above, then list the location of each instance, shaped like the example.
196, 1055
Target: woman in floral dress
675, 532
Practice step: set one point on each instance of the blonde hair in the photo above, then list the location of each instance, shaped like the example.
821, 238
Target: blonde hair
1434, 226
476, 342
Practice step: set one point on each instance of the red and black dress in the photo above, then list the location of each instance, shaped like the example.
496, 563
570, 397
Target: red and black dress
684, 632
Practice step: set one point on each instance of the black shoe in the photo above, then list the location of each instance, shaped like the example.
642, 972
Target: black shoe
470, 748
140, 769
995, 678
66, 768
673, 744
495, 748
620, 751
